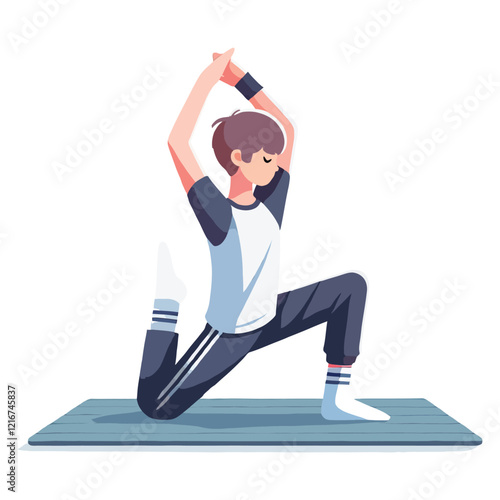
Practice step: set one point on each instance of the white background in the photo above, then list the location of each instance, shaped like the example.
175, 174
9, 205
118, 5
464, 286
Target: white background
61, 239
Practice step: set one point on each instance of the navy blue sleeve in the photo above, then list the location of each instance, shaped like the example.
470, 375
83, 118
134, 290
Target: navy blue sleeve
273, 195
211, 208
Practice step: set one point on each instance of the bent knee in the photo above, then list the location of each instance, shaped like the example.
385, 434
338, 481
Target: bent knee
356, 282
153, 409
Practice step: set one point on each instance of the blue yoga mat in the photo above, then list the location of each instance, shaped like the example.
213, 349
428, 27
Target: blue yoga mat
253, 422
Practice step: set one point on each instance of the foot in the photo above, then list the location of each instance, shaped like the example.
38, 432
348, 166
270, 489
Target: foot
339, 404
168, 285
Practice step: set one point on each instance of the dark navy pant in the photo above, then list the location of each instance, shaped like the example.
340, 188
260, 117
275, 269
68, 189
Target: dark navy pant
167, 388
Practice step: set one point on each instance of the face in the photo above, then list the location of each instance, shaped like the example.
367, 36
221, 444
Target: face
261, 168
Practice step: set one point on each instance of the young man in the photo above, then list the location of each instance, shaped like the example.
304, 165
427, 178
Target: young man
243, 236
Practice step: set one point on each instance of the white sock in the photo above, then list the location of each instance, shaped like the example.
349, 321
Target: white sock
168, 285
339, 402
170, 290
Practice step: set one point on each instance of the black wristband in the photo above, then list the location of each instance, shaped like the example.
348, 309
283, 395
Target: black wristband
248, 86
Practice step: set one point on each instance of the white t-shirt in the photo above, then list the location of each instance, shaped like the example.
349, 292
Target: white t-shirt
244, 248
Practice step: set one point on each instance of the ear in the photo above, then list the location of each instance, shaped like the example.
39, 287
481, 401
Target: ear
236, 157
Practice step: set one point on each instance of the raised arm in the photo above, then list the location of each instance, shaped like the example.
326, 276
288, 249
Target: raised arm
261, 101
232, 75
178, 142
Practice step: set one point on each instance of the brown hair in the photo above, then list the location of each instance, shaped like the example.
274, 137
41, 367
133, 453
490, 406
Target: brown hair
248, 131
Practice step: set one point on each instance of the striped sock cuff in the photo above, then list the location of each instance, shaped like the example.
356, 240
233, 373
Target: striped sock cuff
338, 375
165, 315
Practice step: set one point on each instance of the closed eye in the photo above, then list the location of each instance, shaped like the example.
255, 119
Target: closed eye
267, 161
